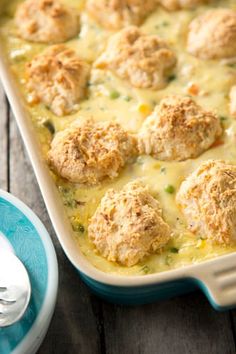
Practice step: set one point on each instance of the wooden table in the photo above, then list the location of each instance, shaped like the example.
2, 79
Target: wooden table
84, 324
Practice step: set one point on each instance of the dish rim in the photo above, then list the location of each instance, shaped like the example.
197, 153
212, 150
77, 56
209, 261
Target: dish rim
57, 212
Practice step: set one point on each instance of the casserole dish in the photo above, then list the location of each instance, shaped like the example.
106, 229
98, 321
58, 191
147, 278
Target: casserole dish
215, 277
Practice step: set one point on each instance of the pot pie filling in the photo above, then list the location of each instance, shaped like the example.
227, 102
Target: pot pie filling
135, 115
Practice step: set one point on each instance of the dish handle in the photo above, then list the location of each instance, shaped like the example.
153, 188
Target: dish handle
218, 282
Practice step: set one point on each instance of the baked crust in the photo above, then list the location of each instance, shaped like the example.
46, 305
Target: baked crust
90, 152
208, 200
178, 129
58, 78
143, 60
46, 21
128, 225
212, 35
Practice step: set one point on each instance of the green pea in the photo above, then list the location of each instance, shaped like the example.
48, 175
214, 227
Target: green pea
63, 190
114, 95
172, 78
127, 98
222, 118
50, 127
174, 250
163, 169
72, 203
169, 189
169, 260
145, 269
165, 23
231, 65
78, 227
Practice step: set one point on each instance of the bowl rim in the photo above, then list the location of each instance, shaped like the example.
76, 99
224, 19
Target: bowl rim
32, 340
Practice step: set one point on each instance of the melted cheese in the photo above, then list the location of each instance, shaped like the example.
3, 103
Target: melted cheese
130, 108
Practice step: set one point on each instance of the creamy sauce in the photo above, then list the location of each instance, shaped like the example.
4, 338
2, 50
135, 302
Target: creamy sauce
130, 107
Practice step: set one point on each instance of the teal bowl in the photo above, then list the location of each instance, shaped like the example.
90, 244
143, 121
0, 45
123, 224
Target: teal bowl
23, 233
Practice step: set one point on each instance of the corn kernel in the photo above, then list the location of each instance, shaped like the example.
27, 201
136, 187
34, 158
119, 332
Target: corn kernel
144, 109
157, 166
201, 243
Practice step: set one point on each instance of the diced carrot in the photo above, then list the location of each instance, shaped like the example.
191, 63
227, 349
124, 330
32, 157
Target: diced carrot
193, 89
217, 143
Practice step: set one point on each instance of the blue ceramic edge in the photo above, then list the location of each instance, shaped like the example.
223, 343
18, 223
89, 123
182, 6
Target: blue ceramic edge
34, 337
141, 295
205, 290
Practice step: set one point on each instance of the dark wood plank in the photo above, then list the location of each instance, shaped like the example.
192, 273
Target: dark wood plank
233, 324
3, 141
74, 328
185, 325
234, 321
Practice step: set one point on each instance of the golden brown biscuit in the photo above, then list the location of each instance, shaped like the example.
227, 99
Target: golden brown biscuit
90, 152
115, 14
46, 21
213, 35
128, 225
178, 129
58, 78
208, 200
143, 60
173, 5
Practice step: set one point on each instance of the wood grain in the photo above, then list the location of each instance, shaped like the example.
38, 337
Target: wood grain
83, 324
233, 325
183, 325
3, 141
